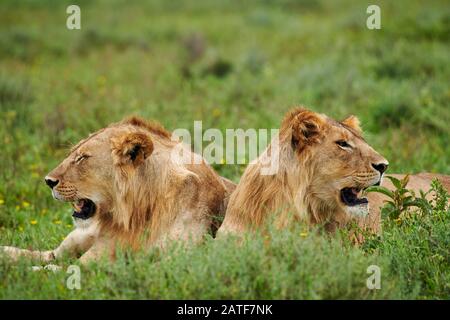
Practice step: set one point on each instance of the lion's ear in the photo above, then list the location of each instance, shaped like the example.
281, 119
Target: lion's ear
307, 127
352, 122
131, 148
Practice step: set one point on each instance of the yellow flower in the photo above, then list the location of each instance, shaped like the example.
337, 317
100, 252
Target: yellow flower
25, 204
216, 112
2, 201
303, 234
20, 229
17, 208
33, 222
222, 161
57, 222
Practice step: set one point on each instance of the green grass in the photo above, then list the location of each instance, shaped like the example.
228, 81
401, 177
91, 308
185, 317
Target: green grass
232, 65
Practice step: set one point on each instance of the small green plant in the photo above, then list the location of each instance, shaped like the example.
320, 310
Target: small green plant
416, 240
440, 198
401, 198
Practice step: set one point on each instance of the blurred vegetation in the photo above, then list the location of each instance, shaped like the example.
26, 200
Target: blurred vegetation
231, 64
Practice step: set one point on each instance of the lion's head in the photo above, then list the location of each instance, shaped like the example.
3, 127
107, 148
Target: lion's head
88, 176
339, 163
128, 180
324, 167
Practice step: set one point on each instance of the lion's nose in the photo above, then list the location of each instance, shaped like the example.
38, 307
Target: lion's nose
380, 167
51, 182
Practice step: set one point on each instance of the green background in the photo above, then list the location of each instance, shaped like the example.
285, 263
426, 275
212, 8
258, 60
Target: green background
231, 64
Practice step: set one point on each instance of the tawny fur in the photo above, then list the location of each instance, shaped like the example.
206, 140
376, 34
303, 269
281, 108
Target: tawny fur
312, 169
143, 194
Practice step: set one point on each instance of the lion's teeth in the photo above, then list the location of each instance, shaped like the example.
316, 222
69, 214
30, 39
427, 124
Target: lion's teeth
78, 205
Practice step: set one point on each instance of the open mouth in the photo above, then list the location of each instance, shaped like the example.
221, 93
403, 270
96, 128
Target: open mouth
83, 209
353, 197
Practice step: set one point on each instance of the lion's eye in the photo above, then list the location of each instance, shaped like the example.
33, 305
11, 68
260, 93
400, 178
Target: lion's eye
81, 158
343, 144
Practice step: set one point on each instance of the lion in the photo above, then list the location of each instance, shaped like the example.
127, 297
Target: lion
129, 188
324, 166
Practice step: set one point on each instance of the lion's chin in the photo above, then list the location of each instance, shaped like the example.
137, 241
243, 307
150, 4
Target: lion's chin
354, 202
360, 210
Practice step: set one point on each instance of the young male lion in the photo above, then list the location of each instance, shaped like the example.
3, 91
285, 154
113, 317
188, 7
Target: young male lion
128, 187
323, 167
